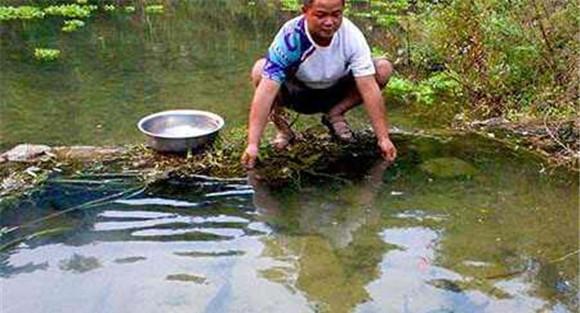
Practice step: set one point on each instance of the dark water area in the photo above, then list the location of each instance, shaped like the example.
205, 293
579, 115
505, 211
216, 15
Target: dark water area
458, 224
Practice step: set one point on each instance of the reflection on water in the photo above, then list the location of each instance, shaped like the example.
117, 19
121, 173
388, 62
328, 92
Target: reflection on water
397, 238
183, 131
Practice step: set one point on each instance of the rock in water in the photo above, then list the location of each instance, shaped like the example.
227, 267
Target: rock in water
24, 153
448, 168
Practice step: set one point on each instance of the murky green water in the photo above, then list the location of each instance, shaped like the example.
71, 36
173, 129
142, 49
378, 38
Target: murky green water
120, 67
456, 225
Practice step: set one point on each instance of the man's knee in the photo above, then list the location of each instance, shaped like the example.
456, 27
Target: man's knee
383, 69
256, 73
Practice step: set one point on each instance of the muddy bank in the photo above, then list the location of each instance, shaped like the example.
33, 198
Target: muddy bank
314, 156
27, 165
556, 141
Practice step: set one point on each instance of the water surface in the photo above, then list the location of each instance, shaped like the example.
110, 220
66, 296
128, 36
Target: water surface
491, 235
457, 224
121, 67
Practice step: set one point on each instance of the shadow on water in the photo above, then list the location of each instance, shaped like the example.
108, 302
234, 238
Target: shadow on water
457, 224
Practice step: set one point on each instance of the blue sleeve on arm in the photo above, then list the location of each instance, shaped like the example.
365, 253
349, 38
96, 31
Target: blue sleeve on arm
285, 52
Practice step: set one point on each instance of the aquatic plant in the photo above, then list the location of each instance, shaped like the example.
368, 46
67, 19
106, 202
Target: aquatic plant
427, 91
22, 13
72, 25
129, 9
109, 7
45, 54
154, 9
290, 5
70, 10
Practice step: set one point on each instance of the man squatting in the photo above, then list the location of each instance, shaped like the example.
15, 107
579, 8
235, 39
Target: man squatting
319, 62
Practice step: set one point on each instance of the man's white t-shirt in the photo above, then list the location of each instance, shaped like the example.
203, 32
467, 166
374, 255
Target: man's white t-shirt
294, 53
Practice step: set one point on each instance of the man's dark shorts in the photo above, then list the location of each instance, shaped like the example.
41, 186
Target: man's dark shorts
296, 96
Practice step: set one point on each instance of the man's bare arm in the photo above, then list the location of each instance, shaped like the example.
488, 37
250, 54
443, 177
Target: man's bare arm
260, 109
374, 105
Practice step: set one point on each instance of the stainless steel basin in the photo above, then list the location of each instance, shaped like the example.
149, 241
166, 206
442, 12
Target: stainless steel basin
180, 130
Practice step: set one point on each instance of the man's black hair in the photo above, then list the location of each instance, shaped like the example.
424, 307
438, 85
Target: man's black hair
309, 2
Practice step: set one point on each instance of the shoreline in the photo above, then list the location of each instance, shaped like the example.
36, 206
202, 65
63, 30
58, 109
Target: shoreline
26, 166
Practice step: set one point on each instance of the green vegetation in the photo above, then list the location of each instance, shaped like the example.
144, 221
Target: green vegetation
109, 7
20, 13
76, 11
71, 10
72, 25
46, 54
290, 5
429, 94
154, 9
515, 57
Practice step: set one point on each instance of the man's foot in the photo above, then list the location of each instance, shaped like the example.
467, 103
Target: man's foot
282, 139
338, 128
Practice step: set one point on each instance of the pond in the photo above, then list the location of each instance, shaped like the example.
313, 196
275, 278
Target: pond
120, 67
457, 224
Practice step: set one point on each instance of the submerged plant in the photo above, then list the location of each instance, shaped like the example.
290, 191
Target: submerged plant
44, 54
72, 25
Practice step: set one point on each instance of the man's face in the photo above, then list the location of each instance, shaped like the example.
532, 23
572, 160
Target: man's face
324, 18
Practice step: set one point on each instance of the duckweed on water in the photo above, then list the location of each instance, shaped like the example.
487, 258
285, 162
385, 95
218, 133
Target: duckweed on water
44, 54
71, 10
109, 7
72, 25
79, 10
75, 11
289, 5
154, 9
22, 13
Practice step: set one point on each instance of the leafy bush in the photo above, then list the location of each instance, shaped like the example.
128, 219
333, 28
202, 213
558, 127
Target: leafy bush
505, 55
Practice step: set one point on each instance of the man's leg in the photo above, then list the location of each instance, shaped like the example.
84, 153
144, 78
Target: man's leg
284, 134
334, 118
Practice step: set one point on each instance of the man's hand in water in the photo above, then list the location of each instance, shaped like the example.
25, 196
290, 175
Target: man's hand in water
250, 156
388, 149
